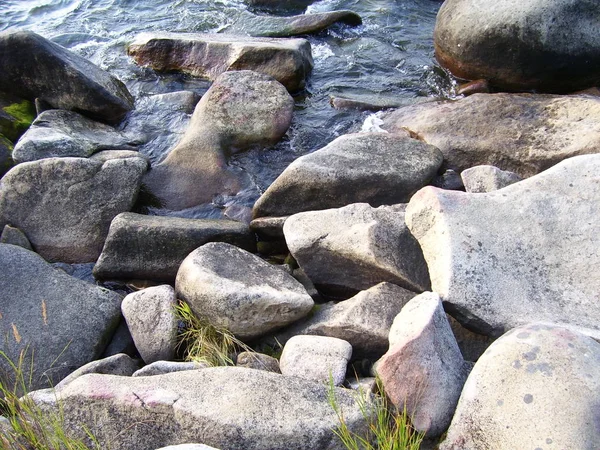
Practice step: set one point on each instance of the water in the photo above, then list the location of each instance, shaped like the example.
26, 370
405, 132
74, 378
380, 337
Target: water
391, 54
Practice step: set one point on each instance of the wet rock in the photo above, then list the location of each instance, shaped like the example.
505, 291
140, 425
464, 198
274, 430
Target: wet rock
151, 319
34, 67
532, 372
119, 364
280, 5
423, 371
14, 236
209, 55
62, 322
273, 26
224, 407
16, 116
356, 247
59, 133
367, 102
520, 254
377, 168
153, 247
487, 179
542, 45
364, 320
239, 291
474, 87
241, 110
162, 367
258, 361
523, 133
65, 205
316, 358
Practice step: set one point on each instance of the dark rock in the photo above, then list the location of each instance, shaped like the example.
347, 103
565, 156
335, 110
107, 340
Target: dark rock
6, 161
449, 180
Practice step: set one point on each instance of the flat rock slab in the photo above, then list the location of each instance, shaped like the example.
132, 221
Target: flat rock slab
209, 55
224, 407
535, 387
375, 168
523, 133
65, 205
520, 254
273, 26
237, 290
542, 45
56, 133
59, 321
356, 247
153, 247
34, 67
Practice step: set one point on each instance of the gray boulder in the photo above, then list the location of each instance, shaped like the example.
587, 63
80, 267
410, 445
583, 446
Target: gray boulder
56, 133
206, 55
355, 247
277, 26
376, 168
34, 67
258, 361
520, 254
151, 319
487, 179
153, 247
65, 205
522, 133
162, 367
14, 236
239, 291
242, 109
119, 364
224, 407
423, 371
316, 358
364, 320
58, 322
535, 387
541, 45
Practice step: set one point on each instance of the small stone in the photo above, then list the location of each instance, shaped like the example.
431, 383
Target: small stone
487, 179
258, 361
14, 236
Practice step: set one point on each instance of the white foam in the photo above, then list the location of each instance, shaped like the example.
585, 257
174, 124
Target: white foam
372, 123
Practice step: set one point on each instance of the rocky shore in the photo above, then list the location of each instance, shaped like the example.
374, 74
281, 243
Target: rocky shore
451, 252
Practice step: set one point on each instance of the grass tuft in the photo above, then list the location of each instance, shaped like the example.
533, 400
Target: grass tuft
388, 427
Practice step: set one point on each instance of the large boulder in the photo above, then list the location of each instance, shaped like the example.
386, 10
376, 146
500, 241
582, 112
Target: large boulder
205, 55
355, 247
65, 205
237, 290
56, 322
34, 67
375, 168
153, 247
541, 45
523, 133
242, 109
224, 407
56, 133
536, 387
520, 254
423, 371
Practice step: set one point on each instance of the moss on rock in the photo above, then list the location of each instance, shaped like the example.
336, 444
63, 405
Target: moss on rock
16, 118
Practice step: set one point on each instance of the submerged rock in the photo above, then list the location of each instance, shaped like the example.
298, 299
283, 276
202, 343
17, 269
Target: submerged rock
241, 110
523, 133
34, 67
535, 387
355, 247
237, 290
153, 247
205, 55
273, 26
65, 205
225, 407
377, 168
520, 254
57, 322
541, 45
58, 133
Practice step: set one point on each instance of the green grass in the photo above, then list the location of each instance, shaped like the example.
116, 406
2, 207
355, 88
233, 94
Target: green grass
203, 342
388, 428
30, 428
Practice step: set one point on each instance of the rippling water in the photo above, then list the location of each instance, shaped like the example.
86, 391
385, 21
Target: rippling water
391, 54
